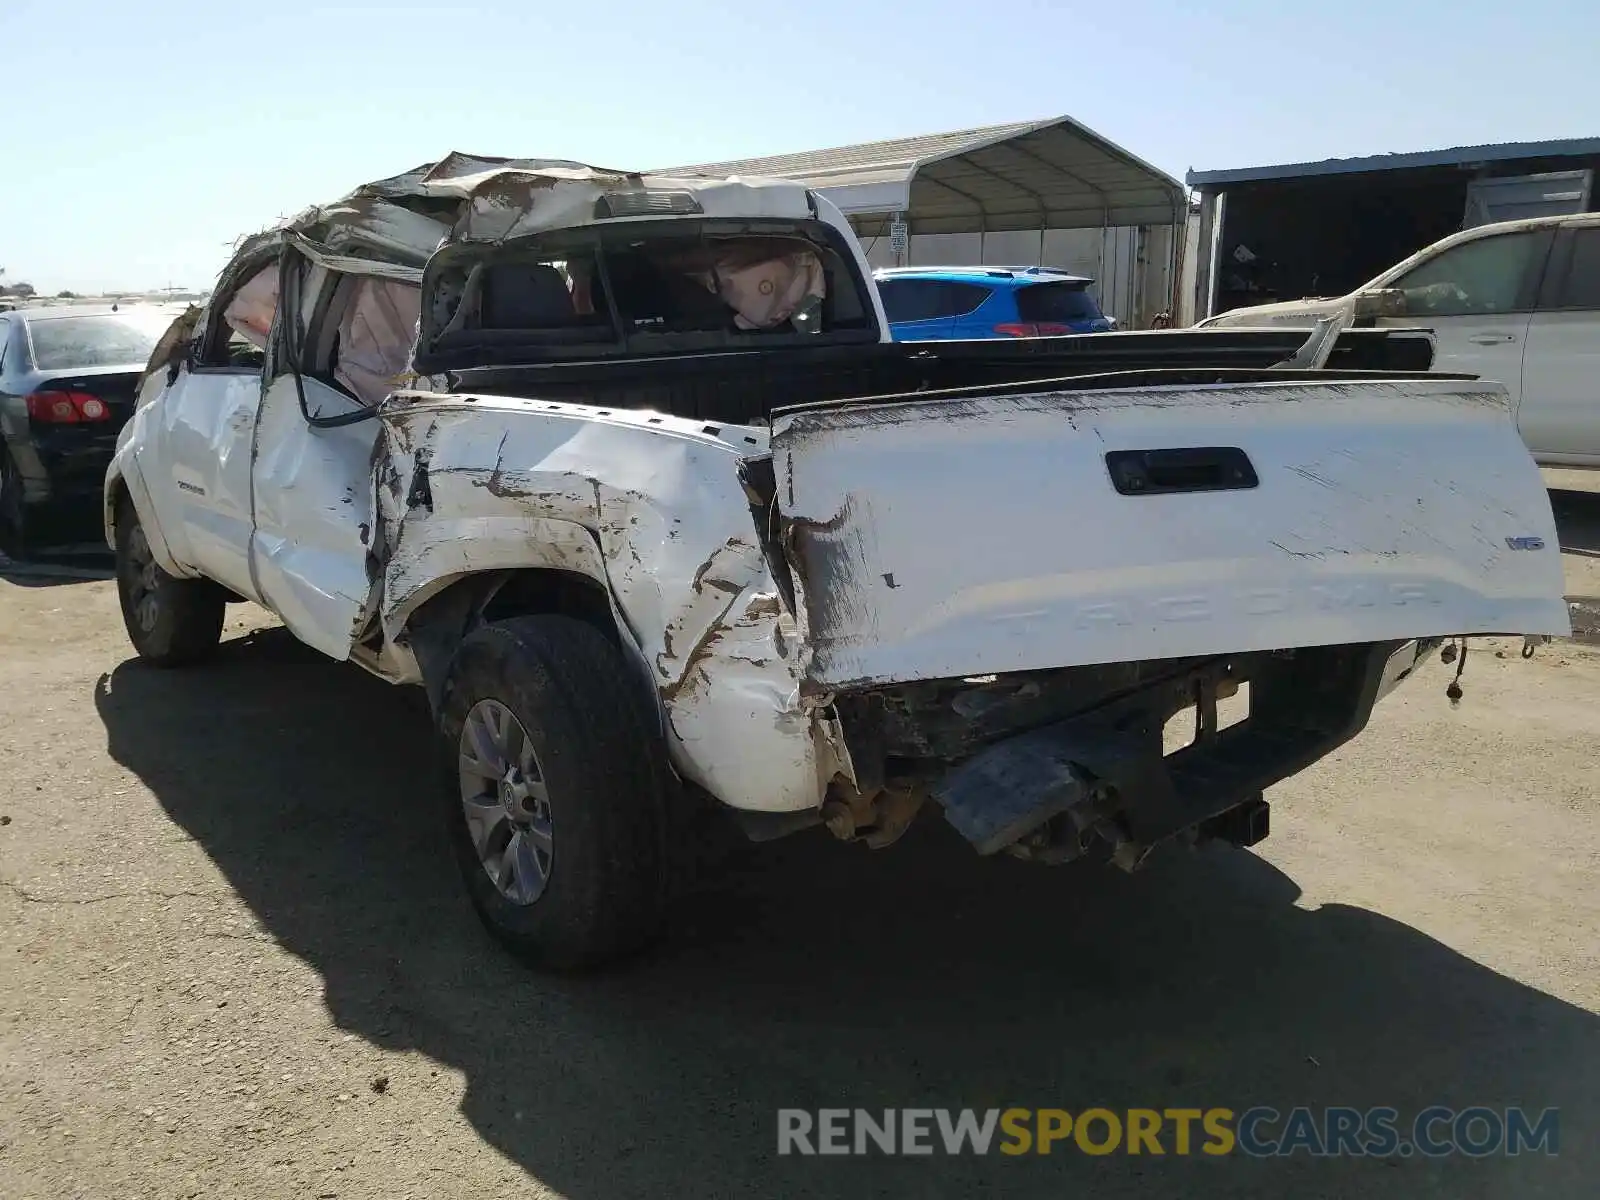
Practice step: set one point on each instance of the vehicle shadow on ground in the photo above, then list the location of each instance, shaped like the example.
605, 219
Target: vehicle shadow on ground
36, 575
1577, 520
822, 975
54, 566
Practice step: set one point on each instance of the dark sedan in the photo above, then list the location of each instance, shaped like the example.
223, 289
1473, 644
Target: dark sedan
67, 379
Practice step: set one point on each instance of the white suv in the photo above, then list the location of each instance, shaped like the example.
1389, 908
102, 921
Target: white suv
1517, 302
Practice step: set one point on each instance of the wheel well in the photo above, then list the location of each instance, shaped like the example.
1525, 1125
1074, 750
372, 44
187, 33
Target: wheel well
551, 593
119, 499
436, 628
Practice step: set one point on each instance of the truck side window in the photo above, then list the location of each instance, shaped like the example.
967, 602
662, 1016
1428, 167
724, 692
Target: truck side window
236, 332
1581, 287
371, 351
1484, 277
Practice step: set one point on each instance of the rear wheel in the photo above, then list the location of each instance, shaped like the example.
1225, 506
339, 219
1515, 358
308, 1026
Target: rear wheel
555, 784
13, 508
171, 622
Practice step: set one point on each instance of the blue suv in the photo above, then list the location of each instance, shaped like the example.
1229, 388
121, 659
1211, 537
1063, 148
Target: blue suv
944, 303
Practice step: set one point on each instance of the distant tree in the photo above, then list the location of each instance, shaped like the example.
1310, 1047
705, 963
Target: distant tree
66, 295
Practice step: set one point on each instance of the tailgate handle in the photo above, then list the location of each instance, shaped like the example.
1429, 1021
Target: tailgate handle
1187, 469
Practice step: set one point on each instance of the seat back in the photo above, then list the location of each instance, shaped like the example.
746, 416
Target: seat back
517, 296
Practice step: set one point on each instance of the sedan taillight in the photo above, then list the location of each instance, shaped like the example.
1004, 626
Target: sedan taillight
67, 408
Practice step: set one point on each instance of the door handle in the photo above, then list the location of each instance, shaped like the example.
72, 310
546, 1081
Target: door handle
1492, 339
1186, 469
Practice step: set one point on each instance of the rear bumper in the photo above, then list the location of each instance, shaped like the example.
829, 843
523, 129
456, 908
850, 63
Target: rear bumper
1105, 774
66, 465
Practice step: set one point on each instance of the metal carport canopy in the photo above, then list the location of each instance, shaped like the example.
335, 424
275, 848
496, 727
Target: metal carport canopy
1053, 174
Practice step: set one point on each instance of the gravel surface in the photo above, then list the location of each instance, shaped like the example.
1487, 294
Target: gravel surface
234, 960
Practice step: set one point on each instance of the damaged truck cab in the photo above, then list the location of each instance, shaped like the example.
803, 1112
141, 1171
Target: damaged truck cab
624, 471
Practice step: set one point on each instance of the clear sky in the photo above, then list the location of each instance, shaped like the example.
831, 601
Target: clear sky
141, 138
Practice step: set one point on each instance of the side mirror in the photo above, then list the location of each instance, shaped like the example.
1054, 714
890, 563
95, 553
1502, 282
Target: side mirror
1381, 302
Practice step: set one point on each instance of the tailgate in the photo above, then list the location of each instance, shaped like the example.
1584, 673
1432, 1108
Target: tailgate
934, 538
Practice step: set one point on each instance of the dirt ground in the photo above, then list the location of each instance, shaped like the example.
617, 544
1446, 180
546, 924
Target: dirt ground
234, 960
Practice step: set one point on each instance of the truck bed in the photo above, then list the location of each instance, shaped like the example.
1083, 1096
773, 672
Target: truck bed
995, 558
745, 387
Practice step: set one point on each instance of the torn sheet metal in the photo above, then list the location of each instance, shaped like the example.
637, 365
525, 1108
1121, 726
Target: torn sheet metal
652, 509
492, 199
510, 198
369, 223
351, 264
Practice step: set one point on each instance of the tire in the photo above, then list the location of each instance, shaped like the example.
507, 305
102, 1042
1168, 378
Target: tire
171, 622
13, 508
597, 782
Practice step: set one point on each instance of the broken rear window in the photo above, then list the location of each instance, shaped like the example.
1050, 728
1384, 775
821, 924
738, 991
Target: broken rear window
685, 288
746, 283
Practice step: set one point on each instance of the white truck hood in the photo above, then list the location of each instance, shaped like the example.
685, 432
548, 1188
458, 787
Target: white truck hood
1288, 312
951, 538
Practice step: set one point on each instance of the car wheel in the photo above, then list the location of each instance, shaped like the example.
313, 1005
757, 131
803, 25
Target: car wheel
13, 508
555, 788
171, 622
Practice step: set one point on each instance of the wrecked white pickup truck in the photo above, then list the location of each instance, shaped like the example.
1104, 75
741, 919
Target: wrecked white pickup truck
625, 473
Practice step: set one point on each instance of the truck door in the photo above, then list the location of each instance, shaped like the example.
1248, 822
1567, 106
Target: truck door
312, 479
1477, 297
1560, 413
207, 420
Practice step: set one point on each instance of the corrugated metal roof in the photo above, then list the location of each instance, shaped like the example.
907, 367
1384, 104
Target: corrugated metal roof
896, 155
1052, 174
1451, 157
